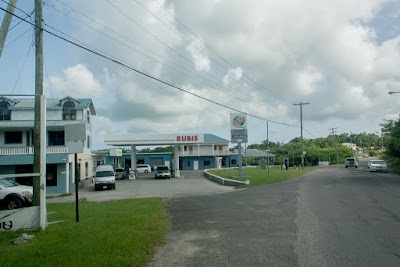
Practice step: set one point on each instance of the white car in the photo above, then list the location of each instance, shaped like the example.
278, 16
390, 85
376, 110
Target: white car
378, 166
143, 168
13, 195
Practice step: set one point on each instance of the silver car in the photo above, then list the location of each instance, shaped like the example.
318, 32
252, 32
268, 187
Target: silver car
378, 166
162, 171
351, 162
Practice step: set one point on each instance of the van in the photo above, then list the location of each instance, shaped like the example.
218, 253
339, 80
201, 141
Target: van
104, 178
143, 168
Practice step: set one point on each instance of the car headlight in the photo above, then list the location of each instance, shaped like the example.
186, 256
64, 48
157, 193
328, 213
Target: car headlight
26, 194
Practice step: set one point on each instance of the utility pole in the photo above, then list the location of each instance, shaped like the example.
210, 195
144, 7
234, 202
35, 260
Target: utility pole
39, 117
301, 130
268, 150
333, 133
6, 23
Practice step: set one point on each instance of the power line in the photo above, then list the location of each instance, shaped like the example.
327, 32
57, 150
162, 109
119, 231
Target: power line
148, 75
22, 68
22, 34
227, 62
246, 96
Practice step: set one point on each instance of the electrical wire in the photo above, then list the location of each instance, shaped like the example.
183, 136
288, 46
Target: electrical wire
22, 68
17, 37
208, 47
246, 96
148, 75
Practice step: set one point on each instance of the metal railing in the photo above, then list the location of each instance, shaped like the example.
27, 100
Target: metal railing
29, 150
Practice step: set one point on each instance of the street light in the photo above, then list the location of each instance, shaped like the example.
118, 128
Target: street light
392, 92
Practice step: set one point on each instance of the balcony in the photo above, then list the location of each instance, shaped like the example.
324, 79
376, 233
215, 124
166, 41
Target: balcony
29, 150
205, 152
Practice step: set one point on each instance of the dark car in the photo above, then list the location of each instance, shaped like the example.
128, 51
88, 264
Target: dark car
162, 171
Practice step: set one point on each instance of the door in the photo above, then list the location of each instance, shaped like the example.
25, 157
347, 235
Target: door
195, 165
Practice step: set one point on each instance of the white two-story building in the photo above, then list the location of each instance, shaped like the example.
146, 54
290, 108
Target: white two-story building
17, 134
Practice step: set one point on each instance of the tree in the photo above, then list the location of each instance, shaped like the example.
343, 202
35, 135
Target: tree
391, 133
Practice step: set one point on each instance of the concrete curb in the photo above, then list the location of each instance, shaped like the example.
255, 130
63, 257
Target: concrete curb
221, 180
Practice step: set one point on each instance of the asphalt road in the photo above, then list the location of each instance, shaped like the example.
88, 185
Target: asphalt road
331, 217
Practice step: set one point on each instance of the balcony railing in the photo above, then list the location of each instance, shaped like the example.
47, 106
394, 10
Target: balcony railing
29, 150
213, 153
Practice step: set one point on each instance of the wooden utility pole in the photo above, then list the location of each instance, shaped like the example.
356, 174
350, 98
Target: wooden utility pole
6, 23
333, 132
301, 131
39, 117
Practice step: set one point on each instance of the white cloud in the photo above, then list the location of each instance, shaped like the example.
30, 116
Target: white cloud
260, 56
78, 81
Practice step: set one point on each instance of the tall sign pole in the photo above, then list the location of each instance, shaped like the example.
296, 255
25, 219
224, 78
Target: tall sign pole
39, 157
6, 23
301, 130
239, 135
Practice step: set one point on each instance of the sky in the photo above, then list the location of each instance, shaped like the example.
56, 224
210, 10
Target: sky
259, 56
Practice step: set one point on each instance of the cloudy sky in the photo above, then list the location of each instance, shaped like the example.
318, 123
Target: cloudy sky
257, 56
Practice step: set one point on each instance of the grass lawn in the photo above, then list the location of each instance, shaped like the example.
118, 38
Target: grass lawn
259, 177
119, 233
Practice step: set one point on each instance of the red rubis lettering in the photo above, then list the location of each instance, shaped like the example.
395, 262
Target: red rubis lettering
196, 138
183, 138
178, 138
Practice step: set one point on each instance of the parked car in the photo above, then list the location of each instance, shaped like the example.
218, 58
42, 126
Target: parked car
104, 178
378, 166
143, 168
13, 195
119, 173
351, 162
162, 171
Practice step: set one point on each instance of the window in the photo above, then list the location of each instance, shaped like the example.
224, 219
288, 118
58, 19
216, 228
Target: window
12, 137
56, 138
233, 162
5, 112
51, 175
88, 141
86, 169
88, 116
207, 163
188, 163
69, 111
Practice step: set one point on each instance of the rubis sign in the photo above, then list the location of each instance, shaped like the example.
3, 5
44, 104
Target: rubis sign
195, 138
238, 128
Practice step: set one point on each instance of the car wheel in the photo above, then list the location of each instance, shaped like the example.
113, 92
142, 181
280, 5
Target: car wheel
346, 166
13, 203
96, 188
146, 171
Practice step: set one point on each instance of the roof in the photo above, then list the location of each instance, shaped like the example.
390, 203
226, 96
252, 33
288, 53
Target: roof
210, 138
30, 124
162, 139
51, 103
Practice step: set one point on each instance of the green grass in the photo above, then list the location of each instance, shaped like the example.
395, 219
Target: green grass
394, 163
118, 233
259, 177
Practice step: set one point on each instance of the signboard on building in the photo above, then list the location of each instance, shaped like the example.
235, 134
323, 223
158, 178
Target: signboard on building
189, 138
238, 123
75, 132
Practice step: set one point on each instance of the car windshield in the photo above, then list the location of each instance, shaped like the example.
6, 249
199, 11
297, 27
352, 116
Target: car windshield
104, 173
378, 162
7, 183
162, 168
119, 170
